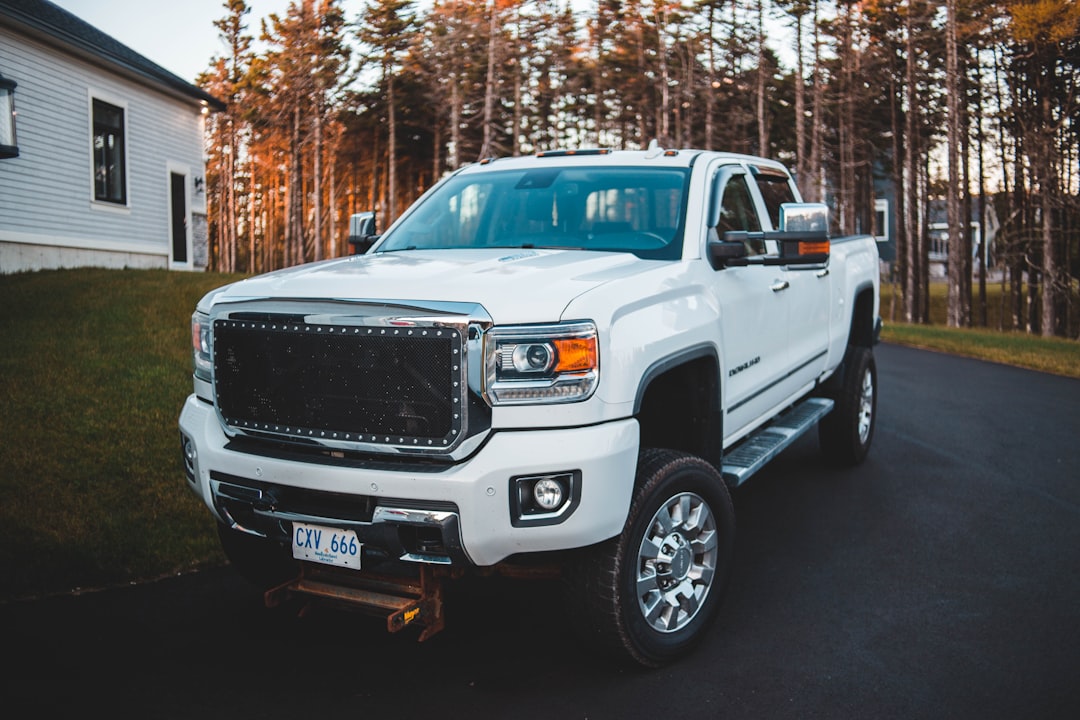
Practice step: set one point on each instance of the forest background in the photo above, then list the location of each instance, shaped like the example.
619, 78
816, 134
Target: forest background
963, 109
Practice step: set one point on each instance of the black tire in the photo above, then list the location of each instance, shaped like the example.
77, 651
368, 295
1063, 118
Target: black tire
263, 562
624, 595
845, 433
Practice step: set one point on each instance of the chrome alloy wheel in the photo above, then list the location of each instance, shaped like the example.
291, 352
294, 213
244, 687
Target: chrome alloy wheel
676, 562
866, 406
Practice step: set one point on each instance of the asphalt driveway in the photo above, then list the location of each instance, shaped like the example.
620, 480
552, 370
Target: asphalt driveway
939, 580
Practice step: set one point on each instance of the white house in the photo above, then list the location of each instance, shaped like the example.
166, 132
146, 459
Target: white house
102, 159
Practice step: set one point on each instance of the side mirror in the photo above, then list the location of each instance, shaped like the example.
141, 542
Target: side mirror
362, 232
804, 217
731, 251
804, 233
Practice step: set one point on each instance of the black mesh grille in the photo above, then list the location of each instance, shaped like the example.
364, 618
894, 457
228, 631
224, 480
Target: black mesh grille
397, 386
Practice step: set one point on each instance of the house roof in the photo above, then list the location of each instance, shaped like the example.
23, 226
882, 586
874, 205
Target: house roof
53, 24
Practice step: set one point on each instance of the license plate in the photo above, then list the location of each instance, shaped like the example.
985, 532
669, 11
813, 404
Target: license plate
327, 545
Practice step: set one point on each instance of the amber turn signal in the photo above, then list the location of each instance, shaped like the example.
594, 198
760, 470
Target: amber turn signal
575, 354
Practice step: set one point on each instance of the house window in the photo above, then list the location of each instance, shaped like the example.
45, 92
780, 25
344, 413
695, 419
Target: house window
8, 147
110, 172
881, 219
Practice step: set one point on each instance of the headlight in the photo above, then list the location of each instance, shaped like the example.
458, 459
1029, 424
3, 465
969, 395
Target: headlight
200, 346
541, 363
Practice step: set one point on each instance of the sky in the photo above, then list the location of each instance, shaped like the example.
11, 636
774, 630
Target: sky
179, 35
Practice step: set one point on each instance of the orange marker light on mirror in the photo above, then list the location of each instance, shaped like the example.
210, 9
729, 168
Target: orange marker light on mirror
820, 247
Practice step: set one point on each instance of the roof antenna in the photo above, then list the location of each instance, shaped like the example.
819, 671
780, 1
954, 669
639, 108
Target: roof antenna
654, 149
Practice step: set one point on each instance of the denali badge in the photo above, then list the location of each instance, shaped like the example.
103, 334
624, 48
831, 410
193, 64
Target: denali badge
748, 364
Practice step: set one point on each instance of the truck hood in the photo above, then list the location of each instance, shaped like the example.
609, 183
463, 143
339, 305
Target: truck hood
513, 285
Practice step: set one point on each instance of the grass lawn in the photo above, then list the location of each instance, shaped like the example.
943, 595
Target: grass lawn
96, 368
1053, 355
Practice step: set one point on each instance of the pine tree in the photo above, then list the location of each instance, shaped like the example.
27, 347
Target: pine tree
386, 28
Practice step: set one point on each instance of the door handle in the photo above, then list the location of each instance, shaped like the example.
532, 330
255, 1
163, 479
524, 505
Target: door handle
823, 273
779, 286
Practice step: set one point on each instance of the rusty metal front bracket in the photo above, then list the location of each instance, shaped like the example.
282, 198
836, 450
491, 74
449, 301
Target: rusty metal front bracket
403, 601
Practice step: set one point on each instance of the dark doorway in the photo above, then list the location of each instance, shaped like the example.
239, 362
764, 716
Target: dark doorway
178, 217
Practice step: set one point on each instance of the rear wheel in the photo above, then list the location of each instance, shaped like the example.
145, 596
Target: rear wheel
263, 562
650, 593
845, 433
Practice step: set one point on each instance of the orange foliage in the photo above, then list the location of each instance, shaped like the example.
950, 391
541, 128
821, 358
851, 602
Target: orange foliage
1045, 22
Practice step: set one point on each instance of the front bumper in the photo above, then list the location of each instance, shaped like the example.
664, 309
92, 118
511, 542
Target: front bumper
462, 513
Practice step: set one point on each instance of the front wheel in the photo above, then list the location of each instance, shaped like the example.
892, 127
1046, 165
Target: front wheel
650, 593
846, 432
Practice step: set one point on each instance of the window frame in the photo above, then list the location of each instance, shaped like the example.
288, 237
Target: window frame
102, 201
766, 179
742, 179
7, 118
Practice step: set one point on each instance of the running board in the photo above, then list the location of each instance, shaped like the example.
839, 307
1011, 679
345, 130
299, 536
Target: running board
751, 454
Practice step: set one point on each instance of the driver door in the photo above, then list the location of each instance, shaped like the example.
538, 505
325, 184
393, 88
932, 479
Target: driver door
753, 322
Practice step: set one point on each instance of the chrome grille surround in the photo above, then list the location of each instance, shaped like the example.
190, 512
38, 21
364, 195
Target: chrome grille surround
359, 376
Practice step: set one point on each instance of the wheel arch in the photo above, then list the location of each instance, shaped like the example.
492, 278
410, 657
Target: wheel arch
863, 331
678, 403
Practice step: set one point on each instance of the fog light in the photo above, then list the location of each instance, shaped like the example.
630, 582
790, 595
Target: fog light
187, 447
548, 494
544, 499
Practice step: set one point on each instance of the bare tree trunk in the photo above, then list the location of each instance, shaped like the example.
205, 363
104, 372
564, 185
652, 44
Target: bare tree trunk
1016, 271
846, 125
710, 92
686, 101
597, 73
762, 125
984, 246
391, 150
800, 107
436, 149
253, 163
317, 179
639, 33
902, 238
486, 149
957, 228
664, 112
455, 124
965, 198
1048, 186
335, 247
913, 266
924, 239
515, 148
817, 191
294, 239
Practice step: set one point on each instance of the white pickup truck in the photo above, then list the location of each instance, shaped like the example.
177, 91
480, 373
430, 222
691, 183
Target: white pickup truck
555, 365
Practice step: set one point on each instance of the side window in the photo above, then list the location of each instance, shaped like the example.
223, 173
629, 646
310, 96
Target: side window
775, 190
737, 212
110, 172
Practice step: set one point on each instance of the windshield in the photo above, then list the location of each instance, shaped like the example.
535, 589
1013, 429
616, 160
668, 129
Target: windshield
627, 209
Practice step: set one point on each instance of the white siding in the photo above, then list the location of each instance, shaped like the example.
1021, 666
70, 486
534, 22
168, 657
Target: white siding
47, 194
